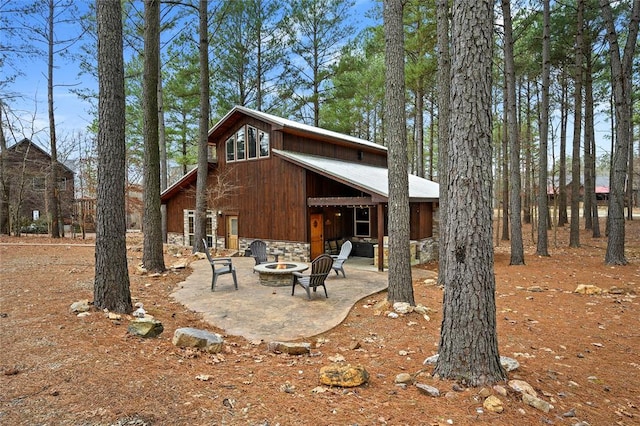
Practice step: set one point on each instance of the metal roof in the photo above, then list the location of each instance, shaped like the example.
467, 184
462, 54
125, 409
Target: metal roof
365, 177
289, 125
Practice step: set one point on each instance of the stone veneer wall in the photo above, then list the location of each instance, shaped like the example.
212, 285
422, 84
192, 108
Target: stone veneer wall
293, 251
181, 240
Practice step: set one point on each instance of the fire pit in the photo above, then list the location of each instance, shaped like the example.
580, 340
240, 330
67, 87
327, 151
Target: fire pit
278, 274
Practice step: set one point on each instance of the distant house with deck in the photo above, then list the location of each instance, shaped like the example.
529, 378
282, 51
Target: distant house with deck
28, 168
301, 189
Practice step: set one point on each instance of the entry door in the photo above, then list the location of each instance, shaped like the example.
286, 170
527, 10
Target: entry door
317, 235
232, 232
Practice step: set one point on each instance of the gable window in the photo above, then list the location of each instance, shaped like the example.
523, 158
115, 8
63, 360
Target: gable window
247, 143
362, 223
240, 146
263, 139
252, 142
62, 184
231, 149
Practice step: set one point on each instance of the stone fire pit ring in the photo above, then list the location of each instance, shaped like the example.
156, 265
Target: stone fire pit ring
278, 274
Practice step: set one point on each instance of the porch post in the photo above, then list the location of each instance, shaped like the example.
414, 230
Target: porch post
380, 253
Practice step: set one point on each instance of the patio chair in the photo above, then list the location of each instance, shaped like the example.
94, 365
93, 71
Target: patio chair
220, 266
338, 261
259, 251
320, 268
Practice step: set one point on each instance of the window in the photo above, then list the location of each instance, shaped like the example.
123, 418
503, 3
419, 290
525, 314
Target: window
246, 144
240, 147
62, 184
190, 226
263, 139
231, 149
362, 222
252, 142
39, 183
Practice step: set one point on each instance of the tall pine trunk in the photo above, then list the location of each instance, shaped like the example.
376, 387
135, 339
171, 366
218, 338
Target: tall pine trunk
542, 246
468, 341
111, 284
517, 247
444, 106
621, 70
200, 225
400, 284
152, 254
574, 233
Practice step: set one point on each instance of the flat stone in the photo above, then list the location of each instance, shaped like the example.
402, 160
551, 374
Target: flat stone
79, 306
145, 327
522, 387
428, 390
536, 403
196, 338
343, 375
289, 348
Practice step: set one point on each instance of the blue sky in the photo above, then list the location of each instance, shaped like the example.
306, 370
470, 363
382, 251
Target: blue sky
71, 113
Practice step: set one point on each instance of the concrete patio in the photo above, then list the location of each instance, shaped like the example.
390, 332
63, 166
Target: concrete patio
258, 312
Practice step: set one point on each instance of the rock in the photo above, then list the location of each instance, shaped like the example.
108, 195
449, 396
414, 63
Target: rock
522, 387
83, 314
509, 364
422, 310
404, 378
402, 307
140, 312
289, 348
145, 327
79, 306
381, 307
430, 360
179, 265
355, 345
343, 375
428, 390
114, 316
196, 338
484, 392
588, 289
392, 315
500, 390
535, 289
493, 404
616, 290
536, 402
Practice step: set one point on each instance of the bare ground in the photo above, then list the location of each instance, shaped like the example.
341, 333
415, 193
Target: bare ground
579, 352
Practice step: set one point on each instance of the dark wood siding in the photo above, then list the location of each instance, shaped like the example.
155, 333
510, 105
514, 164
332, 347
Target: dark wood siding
421, 220
318, 147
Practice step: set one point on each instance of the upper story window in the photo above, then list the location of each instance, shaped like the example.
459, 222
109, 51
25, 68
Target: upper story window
39, 183
248, 143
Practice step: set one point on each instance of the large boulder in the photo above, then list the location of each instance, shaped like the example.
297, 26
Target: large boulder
145, 327
196, 338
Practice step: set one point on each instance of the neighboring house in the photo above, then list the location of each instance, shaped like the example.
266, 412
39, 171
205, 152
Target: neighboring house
28, 168
296, 187
85, 209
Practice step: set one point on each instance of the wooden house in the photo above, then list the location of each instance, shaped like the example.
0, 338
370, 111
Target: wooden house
301, 189
28, 170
